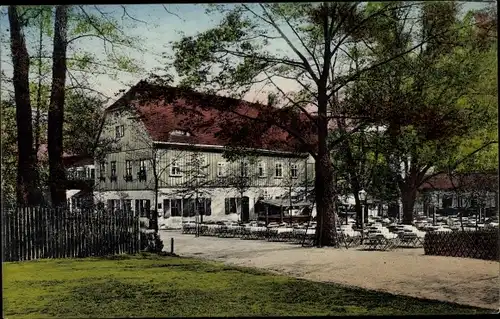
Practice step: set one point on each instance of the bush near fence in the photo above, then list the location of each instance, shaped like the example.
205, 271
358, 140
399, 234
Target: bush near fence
481, 244
35, 232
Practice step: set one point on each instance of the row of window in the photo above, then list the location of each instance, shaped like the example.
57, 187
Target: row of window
175, 170
177, 207
141, 174
187, 207
261, 169
120, 132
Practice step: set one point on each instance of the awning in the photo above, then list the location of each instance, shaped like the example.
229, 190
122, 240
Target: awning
284, 203
82, 193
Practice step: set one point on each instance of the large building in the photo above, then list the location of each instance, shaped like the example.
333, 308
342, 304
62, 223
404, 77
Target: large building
461, 191
168, 150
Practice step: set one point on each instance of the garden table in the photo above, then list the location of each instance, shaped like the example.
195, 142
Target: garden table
408, 240
378, 242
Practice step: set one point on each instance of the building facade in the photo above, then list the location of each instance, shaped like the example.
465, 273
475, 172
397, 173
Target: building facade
461, 191
158, 162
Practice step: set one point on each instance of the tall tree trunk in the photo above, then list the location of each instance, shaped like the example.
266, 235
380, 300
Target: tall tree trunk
39, 89
326, 232
57, 176
27, 174
408, 197
325, 206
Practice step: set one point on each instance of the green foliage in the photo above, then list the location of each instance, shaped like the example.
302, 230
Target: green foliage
84, 23
83, 119
131, 286
430, 100
9, 152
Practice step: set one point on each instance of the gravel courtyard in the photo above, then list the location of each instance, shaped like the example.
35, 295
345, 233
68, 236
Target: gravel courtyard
402, 271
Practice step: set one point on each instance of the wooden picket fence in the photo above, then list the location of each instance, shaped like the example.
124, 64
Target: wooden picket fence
482, 244
34, 233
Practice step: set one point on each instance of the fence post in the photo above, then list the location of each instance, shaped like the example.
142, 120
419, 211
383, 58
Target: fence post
46, 245
64, 223
107, 234
32, 227
7, 234
60, 233
132, 235
102, 232
23, 238
55, 215
26, 233
137, 235
95, 233
172, 245
97, 238
36, 245
87, 231
71, 224
78, 230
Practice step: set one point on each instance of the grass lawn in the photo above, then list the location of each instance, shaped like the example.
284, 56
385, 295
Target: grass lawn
155, 286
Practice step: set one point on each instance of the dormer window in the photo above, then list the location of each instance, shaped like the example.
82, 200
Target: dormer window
180, 133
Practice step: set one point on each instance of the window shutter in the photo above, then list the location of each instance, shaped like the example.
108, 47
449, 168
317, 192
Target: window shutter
208, 207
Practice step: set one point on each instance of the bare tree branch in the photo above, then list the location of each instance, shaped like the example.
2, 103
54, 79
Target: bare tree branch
170, 12
125, 13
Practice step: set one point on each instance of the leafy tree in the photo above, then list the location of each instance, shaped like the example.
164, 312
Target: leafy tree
83, 119
311, 51
424, 99
81, 22
9, 152
361, 165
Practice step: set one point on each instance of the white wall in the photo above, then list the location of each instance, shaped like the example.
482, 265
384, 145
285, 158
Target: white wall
217, 196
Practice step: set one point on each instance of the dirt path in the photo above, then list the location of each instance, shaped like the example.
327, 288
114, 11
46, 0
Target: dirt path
403, 271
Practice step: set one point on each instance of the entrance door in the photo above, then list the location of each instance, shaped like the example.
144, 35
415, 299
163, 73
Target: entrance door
245, 209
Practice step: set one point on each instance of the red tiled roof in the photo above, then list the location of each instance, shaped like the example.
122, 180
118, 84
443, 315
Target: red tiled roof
213, 120
464, 181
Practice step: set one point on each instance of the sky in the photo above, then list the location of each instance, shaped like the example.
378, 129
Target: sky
159, 29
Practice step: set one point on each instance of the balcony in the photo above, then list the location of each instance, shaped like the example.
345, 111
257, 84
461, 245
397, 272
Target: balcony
80, 177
